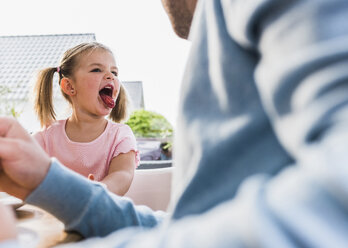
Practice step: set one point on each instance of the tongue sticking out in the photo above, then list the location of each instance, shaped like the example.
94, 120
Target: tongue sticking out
108, 101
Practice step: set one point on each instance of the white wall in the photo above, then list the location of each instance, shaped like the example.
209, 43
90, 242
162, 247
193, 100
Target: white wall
27, 116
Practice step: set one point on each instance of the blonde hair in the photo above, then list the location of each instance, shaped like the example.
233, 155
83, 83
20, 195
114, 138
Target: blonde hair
43, 90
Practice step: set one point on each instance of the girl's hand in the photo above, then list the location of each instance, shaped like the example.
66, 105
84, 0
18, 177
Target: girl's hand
91, 177
7, 224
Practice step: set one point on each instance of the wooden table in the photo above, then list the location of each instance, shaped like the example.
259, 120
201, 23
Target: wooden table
50, 231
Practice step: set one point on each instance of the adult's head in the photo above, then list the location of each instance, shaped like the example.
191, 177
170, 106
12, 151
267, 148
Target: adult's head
180, 13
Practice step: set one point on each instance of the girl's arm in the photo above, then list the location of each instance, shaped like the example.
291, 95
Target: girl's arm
121, 173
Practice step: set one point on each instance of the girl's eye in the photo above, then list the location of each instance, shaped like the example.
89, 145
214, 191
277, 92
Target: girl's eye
96, 70
115, 73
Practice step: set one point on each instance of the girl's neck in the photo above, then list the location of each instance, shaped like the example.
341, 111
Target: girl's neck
84, 129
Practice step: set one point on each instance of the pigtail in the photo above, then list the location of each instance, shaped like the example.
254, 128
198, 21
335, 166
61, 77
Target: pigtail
120, 112
43, 91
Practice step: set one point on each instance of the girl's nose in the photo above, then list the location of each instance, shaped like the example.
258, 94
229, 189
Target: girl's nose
110, 75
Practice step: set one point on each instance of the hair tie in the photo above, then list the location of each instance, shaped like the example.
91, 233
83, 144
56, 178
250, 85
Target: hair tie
58, 69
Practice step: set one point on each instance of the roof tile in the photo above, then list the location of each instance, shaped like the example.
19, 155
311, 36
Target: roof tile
21, 57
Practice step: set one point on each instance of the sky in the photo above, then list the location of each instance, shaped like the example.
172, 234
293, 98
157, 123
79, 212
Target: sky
137, 31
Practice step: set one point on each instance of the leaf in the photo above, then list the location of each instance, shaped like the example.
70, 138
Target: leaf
148, 124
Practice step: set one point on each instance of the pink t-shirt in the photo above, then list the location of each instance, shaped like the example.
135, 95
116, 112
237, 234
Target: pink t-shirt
91, 157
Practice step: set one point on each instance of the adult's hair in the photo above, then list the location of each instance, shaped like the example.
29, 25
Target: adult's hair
43, 91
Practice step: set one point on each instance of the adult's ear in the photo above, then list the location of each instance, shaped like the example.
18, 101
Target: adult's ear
67, 87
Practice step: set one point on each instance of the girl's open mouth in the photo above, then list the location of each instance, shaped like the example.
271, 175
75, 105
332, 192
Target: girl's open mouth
106, 95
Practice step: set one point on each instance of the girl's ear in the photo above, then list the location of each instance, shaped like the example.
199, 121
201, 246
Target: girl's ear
67, 87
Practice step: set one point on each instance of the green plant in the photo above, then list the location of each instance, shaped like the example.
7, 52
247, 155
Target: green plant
148, 124
7, 108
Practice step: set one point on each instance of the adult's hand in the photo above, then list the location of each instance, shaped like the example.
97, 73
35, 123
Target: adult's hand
23, 163
7, 224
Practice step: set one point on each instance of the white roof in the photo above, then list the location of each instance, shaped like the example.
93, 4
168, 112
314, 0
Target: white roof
22, 56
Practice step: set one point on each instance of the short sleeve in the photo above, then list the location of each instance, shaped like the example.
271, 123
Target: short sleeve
39, 138
127, 143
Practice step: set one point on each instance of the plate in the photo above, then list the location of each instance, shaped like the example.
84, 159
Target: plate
27, 238
9, 200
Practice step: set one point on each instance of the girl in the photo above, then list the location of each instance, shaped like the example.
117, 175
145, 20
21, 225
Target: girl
87, 142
